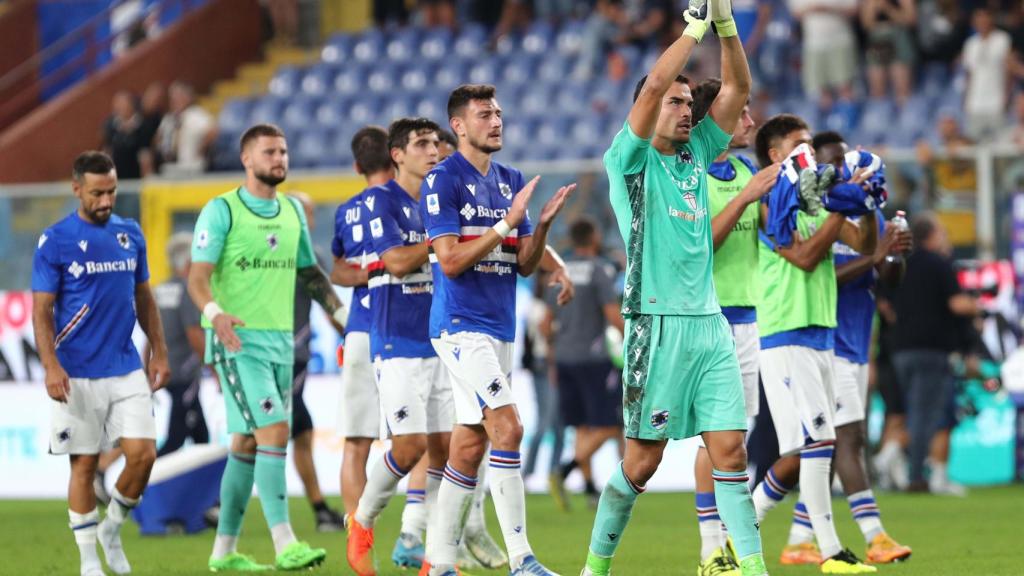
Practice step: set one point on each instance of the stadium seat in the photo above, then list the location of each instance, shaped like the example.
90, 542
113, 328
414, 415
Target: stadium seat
539, 39
369, 48
351, 80
434, 106
363, 111
553, 69
332, 112
234, 116
317, 80
471, 41
536, 101
916, 116
588, 129
310, 148
877, 119
402, 48
299, 113
570, 38
286, 81
381, 79
841, 118
484, 72
400, 106
508, 45
267, 109
519, 70
435, 45
338, 49
417, 78
451, 73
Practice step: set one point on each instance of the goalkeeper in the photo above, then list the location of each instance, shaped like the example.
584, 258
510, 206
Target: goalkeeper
681, 375
248, 247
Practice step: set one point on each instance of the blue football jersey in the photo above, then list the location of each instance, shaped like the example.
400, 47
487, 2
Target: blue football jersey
456, 200
93, 270
401, 306
855, 306
351, 243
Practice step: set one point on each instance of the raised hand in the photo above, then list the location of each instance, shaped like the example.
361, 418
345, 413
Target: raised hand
520, 201
761, 183
555, 204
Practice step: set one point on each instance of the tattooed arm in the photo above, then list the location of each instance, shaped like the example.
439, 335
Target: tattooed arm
316, 283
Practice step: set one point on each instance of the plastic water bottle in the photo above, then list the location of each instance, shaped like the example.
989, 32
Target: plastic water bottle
900, 223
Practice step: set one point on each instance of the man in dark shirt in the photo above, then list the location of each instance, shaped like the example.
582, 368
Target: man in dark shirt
122, 136
930, 307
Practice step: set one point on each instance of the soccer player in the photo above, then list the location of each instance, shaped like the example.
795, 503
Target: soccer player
415, 394
734, 188
326, 519
359, 410
248, 247
90, 279
855, 275
682, 377
796, 316
480, 237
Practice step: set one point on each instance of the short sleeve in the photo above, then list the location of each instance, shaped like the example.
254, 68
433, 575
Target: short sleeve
947, 280
604, 283
385, 233
46, 267
211, 231
439, 205
142, 267
628, 152
526, 226
709, 140
338, 242
305, 258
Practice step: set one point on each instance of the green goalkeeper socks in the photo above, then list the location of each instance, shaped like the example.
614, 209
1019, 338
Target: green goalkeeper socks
736, 508
613, 513
235, 492
271, 485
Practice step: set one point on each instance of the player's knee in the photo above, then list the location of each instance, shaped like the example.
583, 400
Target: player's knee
141, 458
732, 458
640, 468
508, 435
467, 457
408, 449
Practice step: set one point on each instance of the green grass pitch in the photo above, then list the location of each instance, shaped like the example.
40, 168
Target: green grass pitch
977, 535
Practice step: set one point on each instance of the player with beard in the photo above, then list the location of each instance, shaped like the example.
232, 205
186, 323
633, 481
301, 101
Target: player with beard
249, 246
734, 187
474, 210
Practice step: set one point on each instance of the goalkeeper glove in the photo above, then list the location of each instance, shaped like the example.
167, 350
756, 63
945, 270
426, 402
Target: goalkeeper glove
720, 14
697, 21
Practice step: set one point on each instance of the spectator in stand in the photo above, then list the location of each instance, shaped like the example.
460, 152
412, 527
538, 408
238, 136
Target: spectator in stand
941, 30
154, 106
829, 48
890, 49
284, 16
986, 59
388, 13
929, 306
752, 18
185, 133
618, 22
123, 137
942, 168
438, 13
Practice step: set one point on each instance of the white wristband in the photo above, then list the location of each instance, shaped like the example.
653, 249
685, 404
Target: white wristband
340, 315
502, 228
211, 310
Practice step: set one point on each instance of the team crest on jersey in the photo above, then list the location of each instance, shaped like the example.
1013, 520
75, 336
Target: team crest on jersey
122, 239
659, 419
691, 200
430, 180
267, 405
494, 388
272, 241
83, 244
685, 156
376, 228
357, 233
433, 206
506, 190
407, 211
370, 201
42, 240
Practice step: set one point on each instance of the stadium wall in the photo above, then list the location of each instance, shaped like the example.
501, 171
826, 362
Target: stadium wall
222, 35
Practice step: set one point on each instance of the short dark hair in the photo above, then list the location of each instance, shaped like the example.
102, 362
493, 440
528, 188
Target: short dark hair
448, 138
922, 226
703, 97
257, 131
403, 129
581, 231
91, 162
825, 138
776, 128
463, 95
370, 150
640, 84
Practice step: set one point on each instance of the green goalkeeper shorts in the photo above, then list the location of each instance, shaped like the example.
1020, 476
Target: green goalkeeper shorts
257, 393
681, 377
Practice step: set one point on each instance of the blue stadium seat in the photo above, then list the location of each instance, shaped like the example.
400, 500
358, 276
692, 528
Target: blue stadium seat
554, 132
570, 38
471, 42
451, 73
518, 133
332, 111
588, 129
435, 45
877, 119
519, 70
382, 78
351, 80
842, 117
433, 106
417, 78
369, 47
400, 106
286, 81
267, 109
299, 114
402, 48
915, 116
554, 69
225, 155
539, 39
310, 148
317, 81
508, 45
338, 49
536, 101
484, 72
364, 111
234, 116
